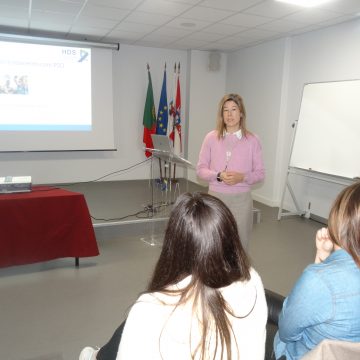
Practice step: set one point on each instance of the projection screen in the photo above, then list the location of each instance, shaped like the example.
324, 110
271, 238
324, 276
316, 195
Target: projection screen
55, 98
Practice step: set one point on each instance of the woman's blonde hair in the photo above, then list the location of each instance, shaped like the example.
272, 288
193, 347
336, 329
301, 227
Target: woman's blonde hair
344, 221
220, 125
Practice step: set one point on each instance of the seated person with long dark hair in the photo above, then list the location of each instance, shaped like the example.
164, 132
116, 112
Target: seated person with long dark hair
204, 300
325, 301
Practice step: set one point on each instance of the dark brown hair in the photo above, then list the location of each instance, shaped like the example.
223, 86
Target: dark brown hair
220, 125
344, 221
202, 240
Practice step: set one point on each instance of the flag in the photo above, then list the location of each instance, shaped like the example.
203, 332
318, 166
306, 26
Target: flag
175, 135
162, 116
149, 118
172, 110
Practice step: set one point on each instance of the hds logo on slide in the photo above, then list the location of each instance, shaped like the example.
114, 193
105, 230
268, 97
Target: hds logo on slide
83, 55
79, 54
68, 51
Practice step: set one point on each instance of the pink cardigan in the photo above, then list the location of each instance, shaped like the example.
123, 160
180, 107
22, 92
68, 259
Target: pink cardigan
244, 155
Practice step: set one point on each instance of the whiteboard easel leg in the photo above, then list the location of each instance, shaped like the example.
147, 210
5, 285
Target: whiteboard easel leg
288, 213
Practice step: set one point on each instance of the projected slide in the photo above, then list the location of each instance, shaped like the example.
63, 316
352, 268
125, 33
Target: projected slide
45, 88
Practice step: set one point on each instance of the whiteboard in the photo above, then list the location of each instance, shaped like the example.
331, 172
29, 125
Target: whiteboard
327, 137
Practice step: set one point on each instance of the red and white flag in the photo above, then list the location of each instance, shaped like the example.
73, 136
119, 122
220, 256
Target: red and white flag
174, 128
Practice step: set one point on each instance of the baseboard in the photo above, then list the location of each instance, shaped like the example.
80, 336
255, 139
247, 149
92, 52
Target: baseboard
265, 200
318, 218
135, 229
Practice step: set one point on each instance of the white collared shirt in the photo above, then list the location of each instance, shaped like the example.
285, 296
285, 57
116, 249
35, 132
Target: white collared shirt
238, 133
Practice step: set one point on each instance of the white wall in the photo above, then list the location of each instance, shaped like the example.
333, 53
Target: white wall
271, 77
256, 73
201, 91
129, 84
206, 89
324, 55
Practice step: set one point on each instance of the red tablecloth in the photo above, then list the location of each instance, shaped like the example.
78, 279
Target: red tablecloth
44, 224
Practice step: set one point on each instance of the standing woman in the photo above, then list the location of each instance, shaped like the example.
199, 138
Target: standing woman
231, 161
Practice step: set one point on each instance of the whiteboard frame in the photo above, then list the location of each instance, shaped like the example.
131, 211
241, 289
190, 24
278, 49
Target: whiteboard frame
315, 108
329, 178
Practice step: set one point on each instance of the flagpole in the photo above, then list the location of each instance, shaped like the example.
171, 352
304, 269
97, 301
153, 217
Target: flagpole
174, 116
174, 128
165, 167
160, 164
162, 118
172, 112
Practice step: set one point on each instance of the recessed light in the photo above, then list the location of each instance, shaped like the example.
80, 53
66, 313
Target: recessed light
188, 24
305, 3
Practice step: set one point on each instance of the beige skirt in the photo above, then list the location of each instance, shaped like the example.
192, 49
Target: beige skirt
241, 205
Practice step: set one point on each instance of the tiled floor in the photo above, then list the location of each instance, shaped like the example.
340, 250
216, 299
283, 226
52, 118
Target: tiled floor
50, 311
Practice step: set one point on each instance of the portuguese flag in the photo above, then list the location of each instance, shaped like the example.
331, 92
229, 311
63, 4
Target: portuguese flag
149, 119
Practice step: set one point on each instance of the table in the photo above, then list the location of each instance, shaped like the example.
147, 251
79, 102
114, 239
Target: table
45, 224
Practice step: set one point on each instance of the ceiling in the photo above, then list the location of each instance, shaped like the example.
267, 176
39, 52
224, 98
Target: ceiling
224, 25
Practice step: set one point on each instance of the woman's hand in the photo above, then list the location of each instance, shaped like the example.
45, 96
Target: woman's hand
324, 245
232, 177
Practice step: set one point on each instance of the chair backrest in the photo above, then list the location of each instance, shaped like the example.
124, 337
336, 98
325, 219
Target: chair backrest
274, 304
334, 350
